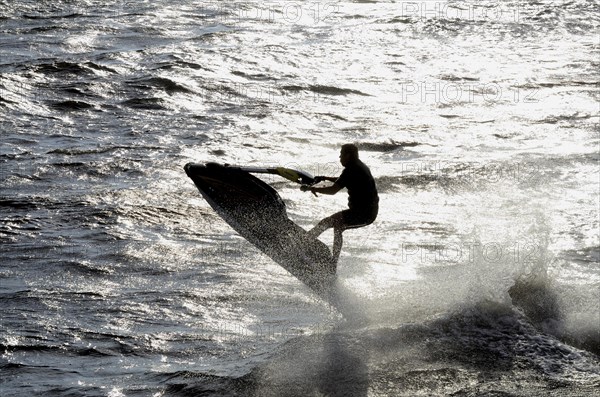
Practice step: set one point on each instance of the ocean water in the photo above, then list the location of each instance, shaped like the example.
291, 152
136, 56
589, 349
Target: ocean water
478, 119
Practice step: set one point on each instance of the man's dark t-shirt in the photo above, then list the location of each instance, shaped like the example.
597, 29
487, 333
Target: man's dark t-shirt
362, 192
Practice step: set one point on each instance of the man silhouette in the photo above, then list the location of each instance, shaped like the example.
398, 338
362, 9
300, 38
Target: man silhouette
363, 200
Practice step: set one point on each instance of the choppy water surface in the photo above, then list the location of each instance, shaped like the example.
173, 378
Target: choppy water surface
479, 121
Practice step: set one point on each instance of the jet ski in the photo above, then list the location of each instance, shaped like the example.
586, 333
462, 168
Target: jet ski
256, 211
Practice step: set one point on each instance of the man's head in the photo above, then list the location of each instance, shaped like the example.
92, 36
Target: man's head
348, 154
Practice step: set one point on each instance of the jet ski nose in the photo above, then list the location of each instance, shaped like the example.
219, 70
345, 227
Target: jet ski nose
188, 168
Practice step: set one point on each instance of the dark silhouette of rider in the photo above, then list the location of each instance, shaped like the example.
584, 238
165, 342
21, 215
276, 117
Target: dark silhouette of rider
363, 201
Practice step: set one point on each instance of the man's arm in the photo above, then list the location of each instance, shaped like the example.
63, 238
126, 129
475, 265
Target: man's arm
329, 178
333, 189
325, 178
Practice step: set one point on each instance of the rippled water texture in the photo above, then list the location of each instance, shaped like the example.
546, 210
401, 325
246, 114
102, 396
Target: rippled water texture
479, 121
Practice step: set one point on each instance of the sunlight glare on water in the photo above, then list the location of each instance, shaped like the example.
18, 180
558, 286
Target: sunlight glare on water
478, 120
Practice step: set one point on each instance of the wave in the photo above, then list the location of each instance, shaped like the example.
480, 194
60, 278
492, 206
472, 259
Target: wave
389, 146
333, 116
566, 83
20, 203
6, 100
323, 89
464, 353
18, 295
100, 150
71, 105
395, 20
565, 117
62, 67
452, 77
88, 269
541, 302
76, 208
256, 76
59, 350
145, 103
76, 164
57, 16
162, 83
188, 383
192, 65
30, 348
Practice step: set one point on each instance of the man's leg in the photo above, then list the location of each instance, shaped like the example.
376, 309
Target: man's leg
335, 221
339, 221
337, 243
346, 220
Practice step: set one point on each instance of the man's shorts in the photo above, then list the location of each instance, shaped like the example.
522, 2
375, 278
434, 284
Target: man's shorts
353, 219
